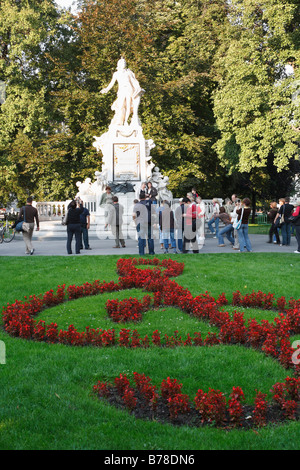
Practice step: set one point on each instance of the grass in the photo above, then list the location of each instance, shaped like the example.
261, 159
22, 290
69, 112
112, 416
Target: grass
45, 395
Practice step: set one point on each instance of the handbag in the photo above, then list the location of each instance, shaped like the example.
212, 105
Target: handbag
19, 226
22, 226
237, 223
280, 220
64, 220
293, 218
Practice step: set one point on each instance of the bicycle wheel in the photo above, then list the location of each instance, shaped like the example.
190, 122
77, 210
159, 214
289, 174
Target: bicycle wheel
8, 234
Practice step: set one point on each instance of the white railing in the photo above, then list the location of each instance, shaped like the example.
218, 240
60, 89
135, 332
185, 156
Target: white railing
52, 210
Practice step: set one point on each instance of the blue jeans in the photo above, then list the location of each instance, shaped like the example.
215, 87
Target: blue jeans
73, 229
227, 230
168, 237
84, 237
286, 233
244, 240
216, 222
144, 233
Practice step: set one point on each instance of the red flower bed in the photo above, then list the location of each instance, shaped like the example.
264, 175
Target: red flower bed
271, 338
144, 400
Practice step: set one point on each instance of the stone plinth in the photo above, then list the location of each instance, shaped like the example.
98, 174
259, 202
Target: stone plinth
126, 154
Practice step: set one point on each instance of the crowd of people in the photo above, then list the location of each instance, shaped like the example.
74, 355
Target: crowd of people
183, 229
179, 230
285, 219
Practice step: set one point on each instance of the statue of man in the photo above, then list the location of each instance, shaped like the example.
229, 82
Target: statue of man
128, 97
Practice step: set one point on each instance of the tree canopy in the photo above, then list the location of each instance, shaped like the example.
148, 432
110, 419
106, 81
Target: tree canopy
219, 103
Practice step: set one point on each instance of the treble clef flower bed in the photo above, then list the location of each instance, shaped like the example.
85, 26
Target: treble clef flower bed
168, 402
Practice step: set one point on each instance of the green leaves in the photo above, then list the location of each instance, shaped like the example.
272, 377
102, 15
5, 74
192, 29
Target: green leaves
216, 100
253, 102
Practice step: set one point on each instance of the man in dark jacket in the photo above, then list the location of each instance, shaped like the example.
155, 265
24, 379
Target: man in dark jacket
29, 214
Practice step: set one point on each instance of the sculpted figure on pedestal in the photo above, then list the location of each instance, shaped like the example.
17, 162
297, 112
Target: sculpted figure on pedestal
128, 97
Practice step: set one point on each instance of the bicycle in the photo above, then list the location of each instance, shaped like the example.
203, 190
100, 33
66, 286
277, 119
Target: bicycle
7, 233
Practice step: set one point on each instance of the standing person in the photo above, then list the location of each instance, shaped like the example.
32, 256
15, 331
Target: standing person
85, 222
166, 223
244, 214
29, 214
194, 193
233, 215
285, 211
179, 223
214, 219
200, 220
277, 220
191, 197
273, 229
296, 224
227, 229
151, 192
234, 199
106, 203
75, 208
228, 205
143, 189
142, 218
189, 233
115, 221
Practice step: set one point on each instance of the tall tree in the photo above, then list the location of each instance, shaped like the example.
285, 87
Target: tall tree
256, 115
170, 46
26, 27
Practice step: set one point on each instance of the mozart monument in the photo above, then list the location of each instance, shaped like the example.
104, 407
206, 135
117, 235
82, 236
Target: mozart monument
126, 159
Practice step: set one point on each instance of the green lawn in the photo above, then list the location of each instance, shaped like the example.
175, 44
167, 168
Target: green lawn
45, 395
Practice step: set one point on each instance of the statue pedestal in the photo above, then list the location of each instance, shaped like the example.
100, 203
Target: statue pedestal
126, 163
126, 154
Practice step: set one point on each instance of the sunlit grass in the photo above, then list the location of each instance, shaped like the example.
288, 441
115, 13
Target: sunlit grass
45, 394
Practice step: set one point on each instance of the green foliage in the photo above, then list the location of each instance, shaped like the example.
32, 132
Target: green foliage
253, 104
215, 105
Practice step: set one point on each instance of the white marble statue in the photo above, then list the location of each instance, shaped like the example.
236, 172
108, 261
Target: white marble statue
164, 194
128, 97
98, 187
100, 142
156, 177
84, 188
